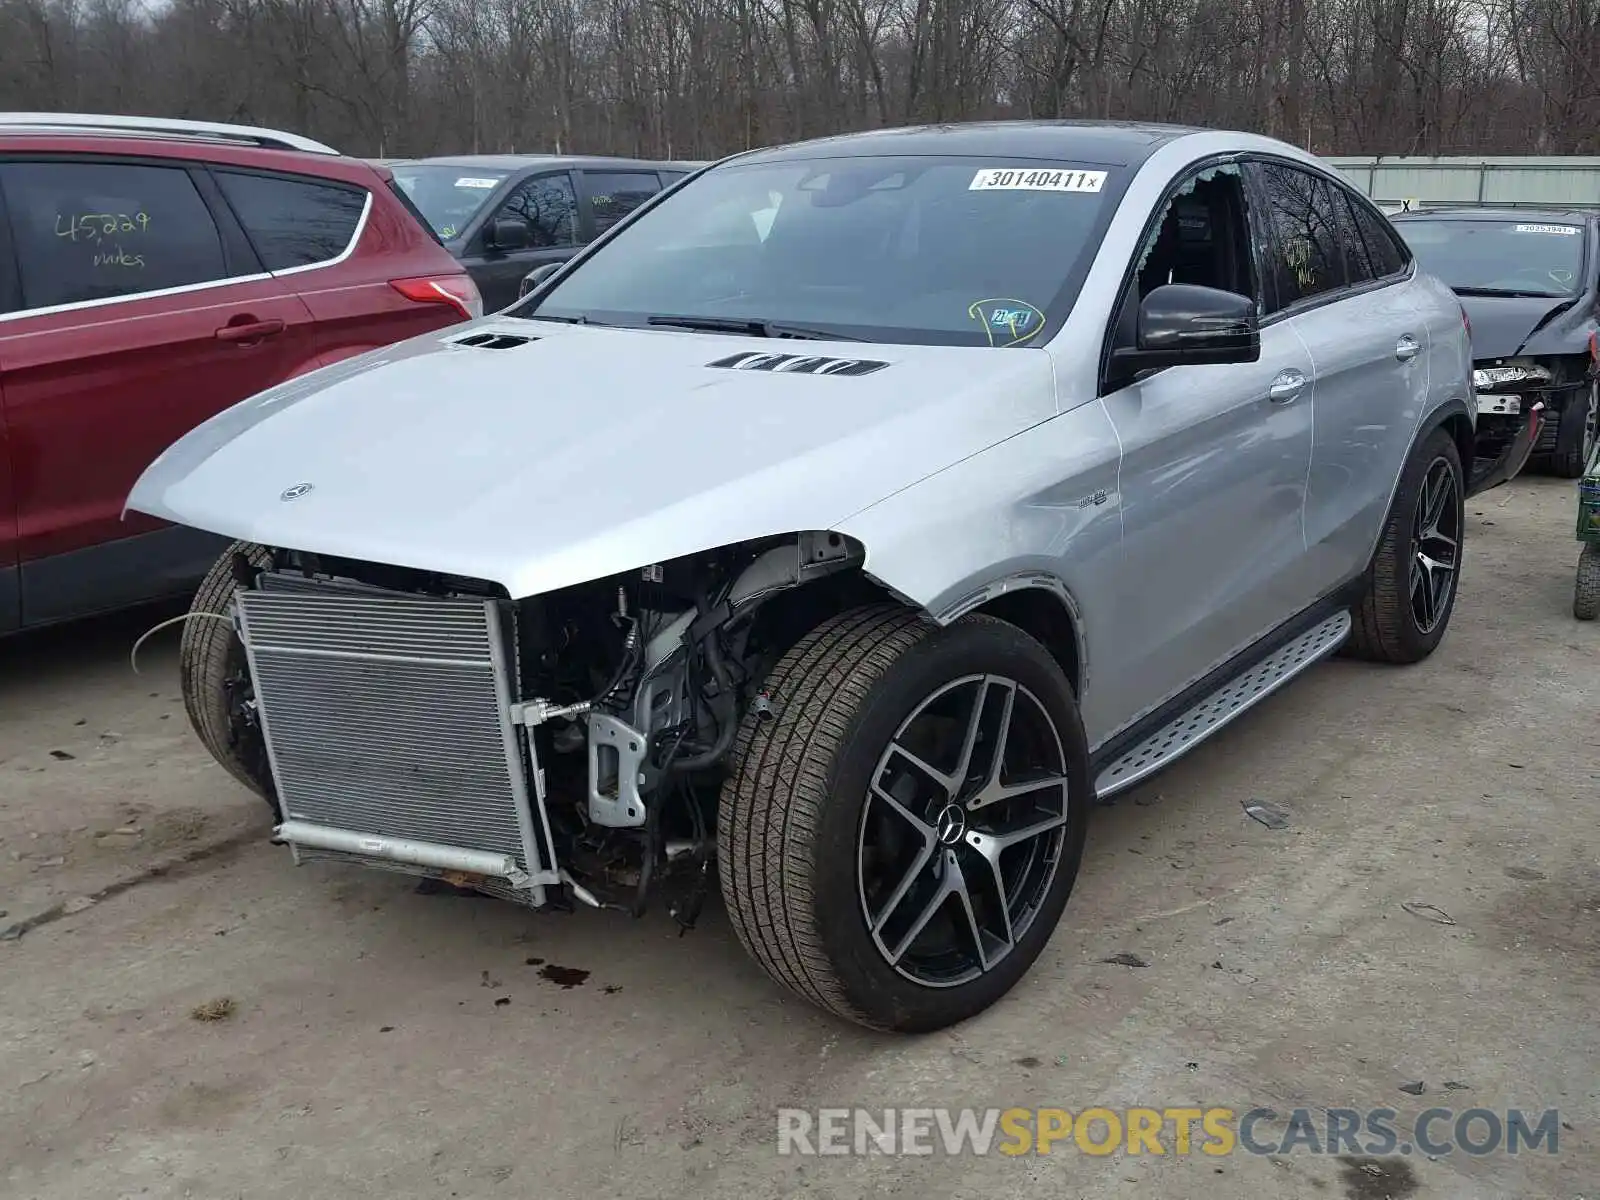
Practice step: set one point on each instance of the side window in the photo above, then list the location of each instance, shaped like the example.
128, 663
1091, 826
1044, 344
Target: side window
1203, 238
293, 222
549, 208
615, 194
96, 231
1307, 259
1388, 253
1358, 263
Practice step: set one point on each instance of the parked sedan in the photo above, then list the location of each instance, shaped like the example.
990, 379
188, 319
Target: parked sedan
1530, 282
504, 215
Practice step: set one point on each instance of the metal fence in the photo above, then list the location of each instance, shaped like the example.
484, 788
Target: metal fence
1397, 183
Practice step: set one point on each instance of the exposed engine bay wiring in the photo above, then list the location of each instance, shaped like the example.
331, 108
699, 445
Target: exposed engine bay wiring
133, 654
629, 693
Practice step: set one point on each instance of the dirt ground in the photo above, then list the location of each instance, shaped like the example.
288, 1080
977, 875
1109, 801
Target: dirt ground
373, 1042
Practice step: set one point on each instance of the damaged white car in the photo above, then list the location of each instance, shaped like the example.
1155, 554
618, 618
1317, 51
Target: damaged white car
838, 528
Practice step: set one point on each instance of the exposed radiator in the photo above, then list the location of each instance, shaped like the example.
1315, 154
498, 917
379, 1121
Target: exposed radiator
387, 722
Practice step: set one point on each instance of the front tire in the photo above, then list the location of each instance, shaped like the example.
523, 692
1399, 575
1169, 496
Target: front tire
1411, 584
213, 670
1576, 435
898, 842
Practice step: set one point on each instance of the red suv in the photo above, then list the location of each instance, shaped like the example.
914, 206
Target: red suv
153, 273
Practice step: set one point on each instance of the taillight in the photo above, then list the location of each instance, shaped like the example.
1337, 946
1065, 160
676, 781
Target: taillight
458, 291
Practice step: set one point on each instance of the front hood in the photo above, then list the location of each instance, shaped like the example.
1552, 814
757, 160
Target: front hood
1502, 326
584, 452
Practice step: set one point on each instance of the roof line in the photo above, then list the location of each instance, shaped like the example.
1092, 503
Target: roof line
112, 124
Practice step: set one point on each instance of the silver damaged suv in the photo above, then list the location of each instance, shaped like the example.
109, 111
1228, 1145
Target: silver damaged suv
837, 528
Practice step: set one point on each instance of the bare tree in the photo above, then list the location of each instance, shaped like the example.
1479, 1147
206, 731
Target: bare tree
697, 78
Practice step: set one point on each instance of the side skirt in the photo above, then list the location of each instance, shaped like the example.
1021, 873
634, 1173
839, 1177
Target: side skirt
167, 562
1198, 712
10, 599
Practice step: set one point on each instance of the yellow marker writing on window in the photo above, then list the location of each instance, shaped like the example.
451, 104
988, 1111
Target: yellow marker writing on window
91, 227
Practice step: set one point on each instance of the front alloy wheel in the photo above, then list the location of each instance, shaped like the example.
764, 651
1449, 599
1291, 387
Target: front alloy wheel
962, 831
897, 844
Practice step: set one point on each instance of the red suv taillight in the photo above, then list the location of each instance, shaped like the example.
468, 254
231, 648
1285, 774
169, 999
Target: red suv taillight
456, 290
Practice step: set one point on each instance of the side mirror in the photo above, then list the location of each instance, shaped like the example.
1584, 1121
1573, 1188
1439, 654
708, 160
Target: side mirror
1183, 324
508, 233
537, 276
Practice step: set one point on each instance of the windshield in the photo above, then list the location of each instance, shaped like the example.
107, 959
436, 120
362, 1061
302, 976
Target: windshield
1527, 258
950, 251
449, 197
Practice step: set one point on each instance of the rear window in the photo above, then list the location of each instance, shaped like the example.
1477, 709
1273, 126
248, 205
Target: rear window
615, 194
293, 222
1388, 253
97, 231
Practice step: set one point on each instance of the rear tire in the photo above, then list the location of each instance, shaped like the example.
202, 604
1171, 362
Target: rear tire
1586, 595
1405, 609
865, 902
211, 662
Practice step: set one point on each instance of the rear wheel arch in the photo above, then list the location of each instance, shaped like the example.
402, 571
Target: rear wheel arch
1454, 418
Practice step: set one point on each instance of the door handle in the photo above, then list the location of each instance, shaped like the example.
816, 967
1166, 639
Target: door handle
1286, 387
249, 331
1407, 348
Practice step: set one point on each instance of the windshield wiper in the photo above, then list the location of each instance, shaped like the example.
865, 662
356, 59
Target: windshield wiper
754, 326
580, 319
1514, 293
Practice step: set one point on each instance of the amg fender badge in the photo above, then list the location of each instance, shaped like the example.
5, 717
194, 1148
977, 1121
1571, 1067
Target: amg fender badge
295, 492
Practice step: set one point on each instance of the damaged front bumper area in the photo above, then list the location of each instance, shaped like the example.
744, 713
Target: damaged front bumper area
388, 725
1526, 395
561, 747
1508, 429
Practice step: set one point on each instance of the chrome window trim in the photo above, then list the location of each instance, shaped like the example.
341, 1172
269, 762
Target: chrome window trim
107, 301
161, 293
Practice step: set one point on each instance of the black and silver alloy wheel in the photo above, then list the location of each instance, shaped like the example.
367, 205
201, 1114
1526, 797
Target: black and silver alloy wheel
898, 843
962, 832
1435, 545
1410, 589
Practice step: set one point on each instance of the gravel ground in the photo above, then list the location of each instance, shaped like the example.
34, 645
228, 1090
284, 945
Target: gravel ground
366, 1040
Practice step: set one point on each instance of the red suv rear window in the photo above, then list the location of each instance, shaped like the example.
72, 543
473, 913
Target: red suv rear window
294, 222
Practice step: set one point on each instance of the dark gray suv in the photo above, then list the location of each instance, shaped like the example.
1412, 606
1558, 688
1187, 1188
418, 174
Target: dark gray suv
504, 215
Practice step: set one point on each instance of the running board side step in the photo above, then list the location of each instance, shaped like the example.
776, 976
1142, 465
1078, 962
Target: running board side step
1209, 714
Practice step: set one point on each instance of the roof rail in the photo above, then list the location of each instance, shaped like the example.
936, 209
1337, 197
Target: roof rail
40, 122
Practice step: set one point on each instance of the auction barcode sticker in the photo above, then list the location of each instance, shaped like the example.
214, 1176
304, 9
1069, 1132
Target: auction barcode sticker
1027, 179
1563, 230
